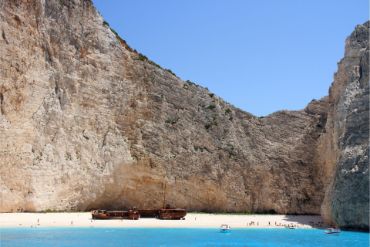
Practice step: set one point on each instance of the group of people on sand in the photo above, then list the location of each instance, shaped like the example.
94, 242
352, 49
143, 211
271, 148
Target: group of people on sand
279, 224
252, 223
319, 224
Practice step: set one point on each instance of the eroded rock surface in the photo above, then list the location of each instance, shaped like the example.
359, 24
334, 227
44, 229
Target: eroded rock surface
347, 155
87, 122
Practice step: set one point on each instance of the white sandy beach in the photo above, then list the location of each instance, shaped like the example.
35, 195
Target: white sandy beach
192, 220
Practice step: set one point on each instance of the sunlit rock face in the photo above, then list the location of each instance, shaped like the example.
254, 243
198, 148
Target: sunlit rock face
347, 196
87, 122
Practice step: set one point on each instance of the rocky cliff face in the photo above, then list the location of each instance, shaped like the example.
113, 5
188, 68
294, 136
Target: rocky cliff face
87, 122
346, 143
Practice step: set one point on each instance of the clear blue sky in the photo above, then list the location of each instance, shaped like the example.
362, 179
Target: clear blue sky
259, 55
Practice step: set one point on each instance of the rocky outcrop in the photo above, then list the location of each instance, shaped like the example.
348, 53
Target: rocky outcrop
347, 155
87, 122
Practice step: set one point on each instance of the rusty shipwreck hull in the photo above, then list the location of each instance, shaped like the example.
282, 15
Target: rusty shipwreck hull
106, 215
149, 213
163, 214
171, 214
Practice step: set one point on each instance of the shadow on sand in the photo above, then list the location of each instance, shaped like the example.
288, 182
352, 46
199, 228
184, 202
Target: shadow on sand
315, 221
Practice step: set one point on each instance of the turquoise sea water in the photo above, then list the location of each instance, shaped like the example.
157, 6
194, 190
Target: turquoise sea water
107, 237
